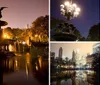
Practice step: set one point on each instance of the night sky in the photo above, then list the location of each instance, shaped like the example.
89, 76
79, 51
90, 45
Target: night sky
88, 17
22, 12
69, 47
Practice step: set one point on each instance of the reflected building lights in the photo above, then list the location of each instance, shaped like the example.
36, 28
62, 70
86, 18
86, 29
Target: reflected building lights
27, 70
16, 67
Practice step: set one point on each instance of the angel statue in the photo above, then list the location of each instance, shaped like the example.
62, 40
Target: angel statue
1, 8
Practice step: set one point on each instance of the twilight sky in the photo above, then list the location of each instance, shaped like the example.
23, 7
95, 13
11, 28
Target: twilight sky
22, 12
82, 48
88, 17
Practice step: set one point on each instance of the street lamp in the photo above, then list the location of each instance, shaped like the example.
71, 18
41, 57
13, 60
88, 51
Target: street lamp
23, 45
69, 10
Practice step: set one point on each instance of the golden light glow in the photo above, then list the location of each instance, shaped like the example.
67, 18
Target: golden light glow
12, 48
6, 36
36, 35
40, 61
23, 42
27, 70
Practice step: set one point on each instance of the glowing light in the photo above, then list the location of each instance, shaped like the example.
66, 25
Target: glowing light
27, 70
74, 5
37, 68
76, 14
69, 7
36, 35
67, 3
10, 48
23, 42
6, 36
77, 9
62, 10
62, 6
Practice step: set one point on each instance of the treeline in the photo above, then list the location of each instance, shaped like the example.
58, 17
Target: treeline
37, 32
58, 25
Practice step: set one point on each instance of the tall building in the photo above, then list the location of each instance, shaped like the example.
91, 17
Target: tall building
27, 26
96, 53
60, 52
73, 56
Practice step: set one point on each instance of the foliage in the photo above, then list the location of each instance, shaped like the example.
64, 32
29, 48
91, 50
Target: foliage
39, 29
93, 34
7, 32
38, 32
59, 26
55, 22
64, 27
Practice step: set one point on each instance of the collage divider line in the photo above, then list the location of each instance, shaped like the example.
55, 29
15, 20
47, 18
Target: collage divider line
49, 43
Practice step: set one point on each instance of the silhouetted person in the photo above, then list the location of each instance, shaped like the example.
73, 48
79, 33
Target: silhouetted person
2, 58
1, 10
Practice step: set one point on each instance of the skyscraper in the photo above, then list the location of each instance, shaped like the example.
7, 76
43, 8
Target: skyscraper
60, 52
73, 56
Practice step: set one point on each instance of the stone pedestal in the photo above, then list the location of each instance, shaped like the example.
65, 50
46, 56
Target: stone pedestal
0, 33
2, 23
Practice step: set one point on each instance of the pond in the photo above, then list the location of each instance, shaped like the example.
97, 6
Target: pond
24, 69
74, 77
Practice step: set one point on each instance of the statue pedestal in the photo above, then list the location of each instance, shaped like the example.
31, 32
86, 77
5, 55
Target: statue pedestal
2, 23
0, 34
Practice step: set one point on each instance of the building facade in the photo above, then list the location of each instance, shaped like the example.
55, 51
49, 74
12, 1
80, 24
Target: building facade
96, 53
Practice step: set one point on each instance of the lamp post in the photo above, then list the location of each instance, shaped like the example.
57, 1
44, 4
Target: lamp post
69, 10
23, 45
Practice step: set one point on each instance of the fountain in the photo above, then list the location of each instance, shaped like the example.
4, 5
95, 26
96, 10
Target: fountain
2, 23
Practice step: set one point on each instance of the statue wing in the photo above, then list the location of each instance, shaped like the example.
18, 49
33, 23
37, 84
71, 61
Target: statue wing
2, 8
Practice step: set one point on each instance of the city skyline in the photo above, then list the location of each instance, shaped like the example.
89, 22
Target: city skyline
22, 12
82, 48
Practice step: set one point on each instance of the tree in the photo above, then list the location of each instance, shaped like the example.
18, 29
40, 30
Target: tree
7, 33
39, 29
67, 60
93, 34
59, 26
55, 22
17, 33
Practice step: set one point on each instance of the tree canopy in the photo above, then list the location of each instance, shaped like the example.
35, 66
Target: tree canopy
60, 26
38, 32
94, 34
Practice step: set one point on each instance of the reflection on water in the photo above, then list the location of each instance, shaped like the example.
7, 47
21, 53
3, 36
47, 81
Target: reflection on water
78, 77
34, 63
18, 63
